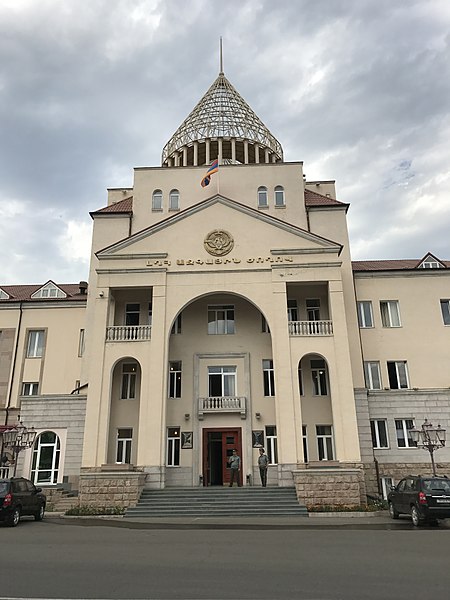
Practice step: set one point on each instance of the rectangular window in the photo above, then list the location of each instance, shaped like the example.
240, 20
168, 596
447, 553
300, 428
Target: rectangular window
30, 388
324, 434
173, 447
128, 390
305, 443
313, 309
386, 484
292, 310
35, 347
221, 382
220, 320
279, 196
176, 327
150, 313
271, 444
124, 441
81, 343
398, 374
319, 377
132, 312
372, 374
378, 429
390, 313
403, 427
365, 313
175, 379
445, 308
269, 378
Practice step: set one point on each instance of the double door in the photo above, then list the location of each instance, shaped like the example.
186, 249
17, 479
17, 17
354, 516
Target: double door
218, 446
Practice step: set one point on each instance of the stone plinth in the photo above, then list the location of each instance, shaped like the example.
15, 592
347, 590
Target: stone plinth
330, 486
110, 489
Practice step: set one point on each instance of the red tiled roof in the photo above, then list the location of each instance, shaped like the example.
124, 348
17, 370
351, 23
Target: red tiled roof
124, 206
390, 265
315, 199
23, 293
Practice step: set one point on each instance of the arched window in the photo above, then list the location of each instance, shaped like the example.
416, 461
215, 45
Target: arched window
46, 457
279, 196
262, 197
157, 199
174, 200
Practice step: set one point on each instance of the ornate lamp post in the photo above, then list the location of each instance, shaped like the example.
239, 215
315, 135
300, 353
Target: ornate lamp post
18, 438
429, 438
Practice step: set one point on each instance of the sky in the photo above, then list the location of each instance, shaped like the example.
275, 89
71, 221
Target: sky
359, 90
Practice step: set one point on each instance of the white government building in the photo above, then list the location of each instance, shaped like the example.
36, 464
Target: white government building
226, 316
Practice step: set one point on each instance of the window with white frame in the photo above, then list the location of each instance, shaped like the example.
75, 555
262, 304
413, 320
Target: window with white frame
81, 342
292, 310
221, 381
279, 196
378, 428
372, 374
268, 377
398, 374
264, 325
157, 199
50, 290
175, 379
403, 430
176, 327
128, 388
365, 313
390, 313
271, 444
445, 308
313, 309
173, 446
30, 388
319, 377
324, 436
430, 263
124, 443
35, 346
45, 461
220, 319
263, 201
174, 200
3, 295
305, 443
132, 314
386, 484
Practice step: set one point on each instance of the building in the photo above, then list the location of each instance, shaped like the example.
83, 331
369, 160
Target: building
224, 311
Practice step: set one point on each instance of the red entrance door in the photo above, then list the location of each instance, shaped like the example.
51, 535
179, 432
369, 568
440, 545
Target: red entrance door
218, 446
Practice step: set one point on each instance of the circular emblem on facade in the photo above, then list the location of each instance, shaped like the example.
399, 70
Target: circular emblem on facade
218, 242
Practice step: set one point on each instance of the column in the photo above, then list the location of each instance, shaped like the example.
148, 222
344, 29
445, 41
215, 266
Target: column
246, 152
266, 155
208, 148
219, 142
195, 153
256, 153
185, 157
233, 150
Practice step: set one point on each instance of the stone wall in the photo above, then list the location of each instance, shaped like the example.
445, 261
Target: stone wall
335, 486
110, 489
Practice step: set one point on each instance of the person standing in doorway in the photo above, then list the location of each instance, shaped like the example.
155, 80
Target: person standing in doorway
263, 463
235, 467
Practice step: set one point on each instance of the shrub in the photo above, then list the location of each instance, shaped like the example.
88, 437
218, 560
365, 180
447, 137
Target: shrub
82, 511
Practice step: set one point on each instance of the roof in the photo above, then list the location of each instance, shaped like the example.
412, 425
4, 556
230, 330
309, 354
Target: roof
315, 199
392, 265
23, 293
124, 206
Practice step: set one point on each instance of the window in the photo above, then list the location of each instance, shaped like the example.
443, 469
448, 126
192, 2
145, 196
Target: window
319, 377
30, 389
50, 290
150, 313
220, 319
271, 444
386, 484
128, 391
174, 200
313, 309
124, 441
305, 443
398, 374
268, 376
45, 460
221, 381
292, 310
390, 313
445, 308
132, 313
264, 325
157, 200
175, 379
173, 447
403, 427
324, 434
430, 263
35, 347
300, 381
279, 195
378, 428
372, 375
365, 314
3, 295
81, 343
176, 327
262, 197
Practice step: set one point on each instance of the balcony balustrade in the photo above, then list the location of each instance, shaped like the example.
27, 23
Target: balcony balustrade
128, 333
4, 473
319, 328
222, 404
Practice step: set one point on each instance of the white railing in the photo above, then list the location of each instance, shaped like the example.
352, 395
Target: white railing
128, 333
4, 472
310, 327
222, 404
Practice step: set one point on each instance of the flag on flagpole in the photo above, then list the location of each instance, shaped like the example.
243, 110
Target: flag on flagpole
213, 168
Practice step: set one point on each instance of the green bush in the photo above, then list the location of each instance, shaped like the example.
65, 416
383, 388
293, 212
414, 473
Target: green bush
373, 506
84, 511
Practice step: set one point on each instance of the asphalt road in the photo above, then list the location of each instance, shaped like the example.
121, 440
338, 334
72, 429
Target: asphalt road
65, 559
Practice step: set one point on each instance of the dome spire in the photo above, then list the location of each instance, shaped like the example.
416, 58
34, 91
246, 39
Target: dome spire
221, 57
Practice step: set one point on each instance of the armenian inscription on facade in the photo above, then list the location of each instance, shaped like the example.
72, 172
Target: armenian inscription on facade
188, 262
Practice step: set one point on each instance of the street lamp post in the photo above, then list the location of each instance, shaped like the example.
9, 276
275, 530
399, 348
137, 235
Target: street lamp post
429, 438
18, 438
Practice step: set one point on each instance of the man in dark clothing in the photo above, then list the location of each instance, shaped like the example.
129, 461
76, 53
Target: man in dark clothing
235, 466
263, 463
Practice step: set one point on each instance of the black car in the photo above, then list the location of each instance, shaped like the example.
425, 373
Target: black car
19, 496
425, 498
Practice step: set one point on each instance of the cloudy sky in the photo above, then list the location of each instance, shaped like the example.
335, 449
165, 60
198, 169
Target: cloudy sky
357, 89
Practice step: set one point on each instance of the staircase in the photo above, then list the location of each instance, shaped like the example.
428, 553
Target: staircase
218, 502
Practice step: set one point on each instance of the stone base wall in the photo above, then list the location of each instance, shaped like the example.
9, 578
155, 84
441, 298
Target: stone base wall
114, 489
341, 486
399, 470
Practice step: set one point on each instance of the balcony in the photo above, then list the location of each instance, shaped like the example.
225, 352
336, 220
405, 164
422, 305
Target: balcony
222, 404
128, 333
310, 328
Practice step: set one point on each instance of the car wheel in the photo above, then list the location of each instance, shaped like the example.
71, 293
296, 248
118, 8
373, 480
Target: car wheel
14, 518
392, 512
40, 514
415, 516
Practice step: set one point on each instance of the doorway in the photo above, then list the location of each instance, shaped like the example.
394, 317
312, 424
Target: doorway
218, 446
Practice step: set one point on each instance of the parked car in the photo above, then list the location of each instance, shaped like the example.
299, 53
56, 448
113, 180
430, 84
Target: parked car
19, 496
425, 498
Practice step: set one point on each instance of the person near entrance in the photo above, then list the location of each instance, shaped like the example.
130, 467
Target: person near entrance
263, 463
235, 466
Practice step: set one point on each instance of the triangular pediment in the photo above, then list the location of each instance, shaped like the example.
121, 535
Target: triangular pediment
49, 290
429, 261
